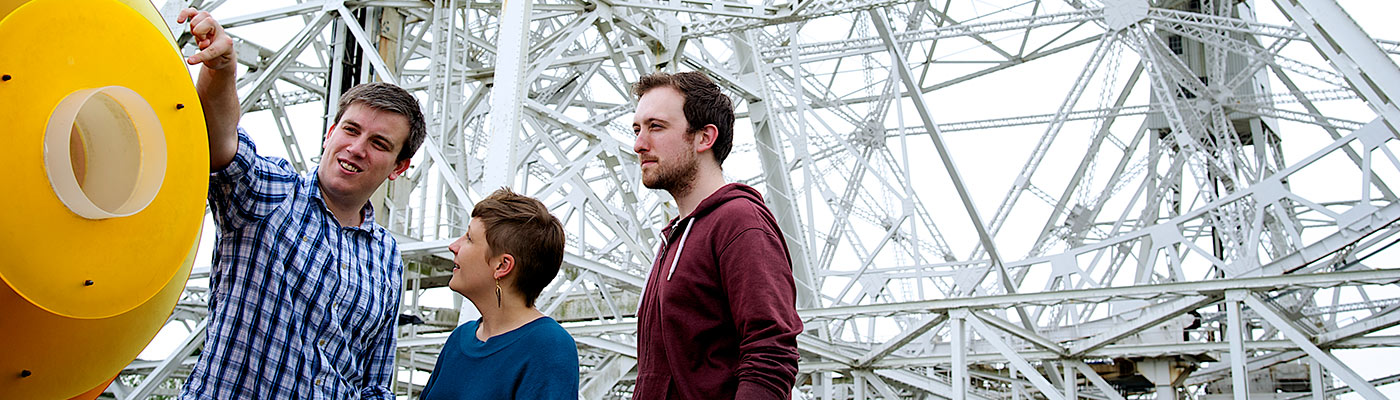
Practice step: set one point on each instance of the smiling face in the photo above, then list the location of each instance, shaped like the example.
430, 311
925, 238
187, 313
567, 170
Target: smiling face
473, 274
361, 151
666, 151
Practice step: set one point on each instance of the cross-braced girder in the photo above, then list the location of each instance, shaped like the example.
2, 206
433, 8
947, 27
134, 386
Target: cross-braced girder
1063, 187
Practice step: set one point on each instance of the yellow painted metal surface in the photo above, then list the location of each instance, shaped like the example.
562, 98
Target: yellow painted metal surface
143, 7
67, 356
80, 298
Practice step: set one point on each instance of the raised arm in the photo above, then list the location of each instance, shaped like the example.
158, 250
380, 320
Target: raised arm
218, 93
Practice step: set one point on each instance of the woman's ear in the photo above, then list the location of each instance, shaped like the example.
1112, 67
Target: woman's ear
503, 266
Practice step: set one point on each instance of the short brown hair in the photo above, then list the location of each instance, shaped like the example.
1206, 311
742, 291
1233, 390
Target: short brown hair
524, 228
391, 98
704, 105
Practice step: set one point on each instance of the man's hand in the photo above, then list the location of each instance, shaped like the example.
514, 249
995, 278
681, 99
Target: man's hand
215, 46
217, 93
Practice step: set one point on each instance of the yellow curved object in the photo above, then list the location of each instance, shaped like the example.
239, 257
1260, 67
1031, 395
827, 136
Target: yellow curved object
52, 49
95, 391
83, 294
67, 356
143, 7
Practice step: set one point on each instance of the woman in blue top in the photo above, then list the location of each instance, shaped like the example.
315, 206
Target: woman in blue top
512, 249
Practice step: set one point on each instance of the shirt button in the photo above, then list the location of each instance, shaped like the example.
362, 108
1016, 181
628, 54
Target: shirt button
321, 342
319, 381
303, 238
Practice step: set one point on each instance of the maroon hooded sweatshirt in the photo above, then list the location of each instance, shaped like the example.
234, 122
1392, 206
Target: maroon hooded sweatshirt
718, 318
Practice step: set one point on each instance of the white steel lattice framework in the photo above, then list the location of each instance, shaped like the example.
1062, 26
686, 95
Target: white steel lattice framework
984, 199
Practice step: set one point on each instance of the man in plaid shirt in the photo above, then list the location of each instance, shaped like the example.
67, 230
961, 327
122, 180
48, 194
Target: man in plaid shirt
305, 287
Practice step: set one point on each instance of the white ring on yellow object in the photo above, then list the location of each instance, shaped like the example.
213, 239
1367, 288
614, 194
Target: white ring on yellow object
73, 337
123, 158
53, 48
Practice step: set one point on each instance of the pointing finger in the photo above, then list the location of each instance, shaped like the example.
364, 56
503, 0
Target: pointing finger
185, 15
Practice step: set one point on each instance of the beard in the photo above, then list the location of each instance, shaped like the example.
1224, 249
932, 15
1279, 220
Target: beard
676, 177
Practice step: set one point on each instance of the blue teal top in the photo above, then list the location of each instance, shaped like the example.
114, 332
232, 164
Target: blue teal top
536, 361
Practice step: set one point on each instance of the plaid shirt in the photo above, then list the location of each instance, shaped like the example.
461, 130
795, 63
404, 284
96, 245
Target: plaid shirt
299, 307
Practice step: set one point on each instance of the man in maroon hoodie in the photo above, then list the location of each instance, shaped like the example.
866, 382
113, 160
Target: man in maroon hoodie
718, 318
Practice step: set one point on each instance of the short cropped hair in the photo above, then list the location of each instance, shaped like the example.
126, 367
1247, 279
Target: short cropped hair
704, 105
388, 97
524, 228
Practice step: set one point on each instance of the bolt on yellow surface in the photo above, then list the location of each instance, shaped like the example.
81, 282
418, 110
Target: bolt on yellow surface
109, 158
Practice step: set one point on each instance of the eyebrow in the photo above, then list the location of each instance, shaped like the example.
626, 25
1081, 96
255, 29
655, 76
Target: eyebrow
373, 135
652, 119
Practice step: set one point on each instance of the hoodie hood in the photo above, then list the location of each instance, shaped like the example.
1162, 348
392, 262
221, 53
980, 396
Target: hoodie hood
725, 194
721, 196
683, 225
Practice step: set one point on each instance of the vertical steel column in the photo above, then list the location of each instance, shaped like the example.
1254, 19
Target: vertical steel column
959, 351
1234, 334
1071, 381
1016, 387
826, 386
507, 95
775, 170
1319, 389
858, 386
335, 82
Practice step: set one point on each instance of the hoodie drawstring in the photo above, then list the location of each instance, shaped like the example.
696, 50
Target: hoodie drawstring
679, 249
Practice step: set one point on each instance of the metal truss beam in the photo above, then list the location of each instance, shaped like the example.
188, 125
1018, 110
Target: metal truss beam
781, 196
1367, 69
861, 46
1291, 331
507, 95
908, 335
1025, 368
798, 12
1184, 194
186, 348
906, 76
1148, 318
1215, 287
985, 354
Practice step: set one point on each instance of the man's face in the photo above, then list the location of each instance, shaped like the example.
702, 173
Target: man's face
361, 152
666, 151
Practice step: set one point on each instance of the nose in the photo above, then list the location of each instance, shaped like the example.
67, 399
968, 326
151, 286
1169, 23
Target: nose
640, 145
455, 246
358, 146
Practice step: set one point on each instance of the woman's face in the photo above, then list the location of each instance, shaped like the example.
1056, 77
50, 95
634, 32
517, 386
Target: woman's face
473, 271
